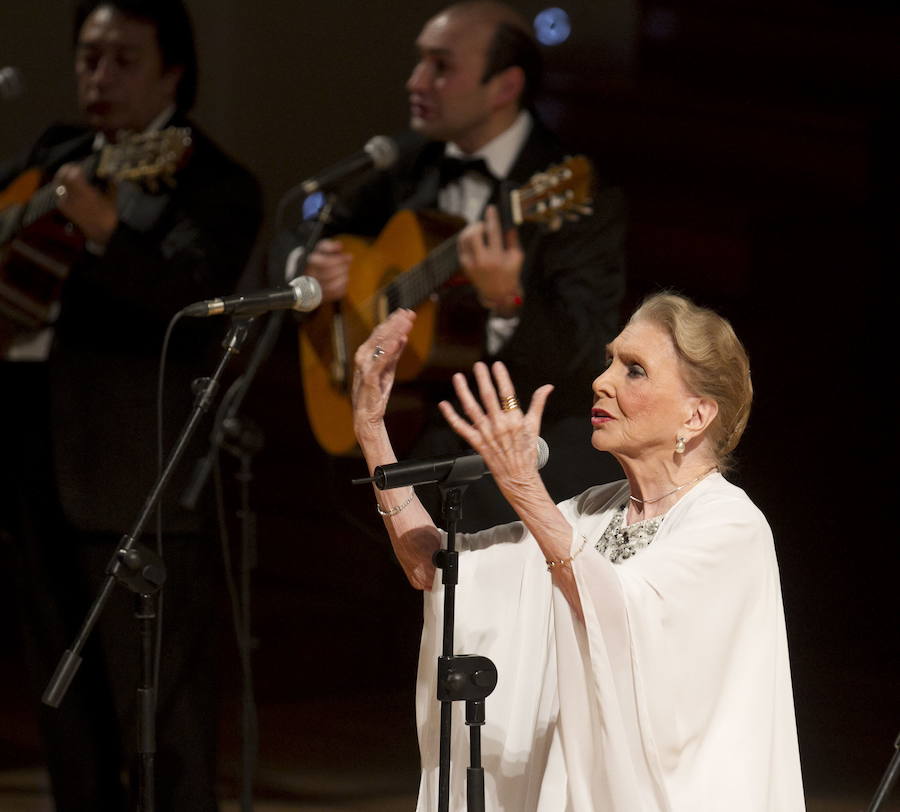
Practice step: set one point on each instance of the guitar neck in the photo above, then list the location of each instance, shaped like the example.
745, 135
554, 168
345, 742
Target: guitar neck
414, 286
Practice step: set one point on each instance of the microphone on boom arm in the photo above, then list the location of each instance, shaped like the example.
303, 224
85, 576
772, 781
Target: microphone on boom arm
303, 294
440, 470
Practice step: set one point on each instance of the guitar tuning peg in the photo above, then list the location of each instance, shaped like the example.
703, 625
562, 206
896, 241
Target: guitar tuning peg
556, 223
585, 210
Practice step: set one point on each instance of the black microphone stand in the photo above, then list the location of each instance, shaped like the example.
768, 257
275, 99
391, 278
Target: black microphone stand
239, 437
460, 677
143, 572
463, 677
887, 780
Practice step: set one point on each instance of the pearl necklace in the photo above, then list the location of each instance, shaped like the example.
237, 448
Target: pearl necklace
674, 490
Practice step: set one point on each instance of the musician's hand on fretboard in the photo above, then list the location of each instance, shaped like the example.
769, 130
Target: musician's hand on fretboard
89, 208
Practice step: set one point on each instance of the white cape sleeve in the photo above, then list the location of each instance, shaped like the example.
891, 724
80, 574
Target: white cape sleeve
504, 612
674, 695
689, 676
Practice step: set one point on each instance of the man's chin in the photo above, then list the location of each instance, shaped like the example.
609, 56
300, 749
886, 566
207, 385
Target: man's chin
109, 122
429, 129
102, 122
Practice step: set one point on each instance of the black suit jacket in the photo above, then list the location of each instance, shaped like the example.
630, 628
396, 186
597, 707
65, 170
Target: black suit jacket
171, 248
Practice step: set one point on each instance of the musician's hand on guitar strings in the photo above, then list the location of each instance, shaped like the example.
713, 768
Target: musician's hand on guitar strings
329, 264
93, 211
375, 365
493, 262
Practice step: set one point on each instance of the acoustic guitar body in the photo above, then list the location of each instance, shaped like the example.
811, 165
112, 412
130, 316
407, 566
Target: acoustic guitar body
34, 261
330, 338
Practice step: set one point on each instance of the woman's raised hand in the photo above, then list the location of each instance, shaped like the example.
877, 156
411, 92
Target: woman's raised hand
413, 534
375, 365
497, 428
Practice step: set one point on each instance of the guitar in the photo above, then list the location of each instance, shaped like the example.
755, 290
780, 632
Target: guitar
414, 255
38, 245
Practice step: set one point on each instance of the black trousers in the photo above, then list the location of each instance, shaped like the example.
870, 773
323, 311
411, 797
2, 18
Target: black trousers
90, 740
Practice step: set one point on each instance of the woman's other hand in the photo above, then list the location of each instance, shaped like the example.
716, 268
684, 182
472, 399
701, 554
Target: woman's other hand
497, 428
506, 438
375, 365
413, 534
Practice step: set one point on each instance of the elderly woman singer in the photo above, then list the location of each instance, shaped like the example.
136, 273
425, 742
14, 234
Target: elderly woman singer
637, 628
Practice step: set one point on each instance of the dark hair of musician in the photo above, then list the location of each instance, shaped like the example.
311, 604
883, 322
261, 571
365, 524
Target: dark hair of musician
514, 45
174, 34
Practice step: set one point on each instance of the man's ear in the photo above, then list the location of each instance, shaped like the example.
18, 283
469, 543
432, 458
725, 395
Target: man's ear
172, 77
509, 85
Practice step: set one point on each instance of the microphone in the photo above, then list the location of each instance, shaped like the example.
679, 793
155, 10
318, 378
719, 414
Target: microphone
379, 152
303, 294
12, 85
447, 469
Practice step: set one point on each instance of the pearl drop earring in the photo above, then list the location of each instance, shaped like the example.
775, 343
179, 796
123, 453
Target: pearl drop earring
679, 445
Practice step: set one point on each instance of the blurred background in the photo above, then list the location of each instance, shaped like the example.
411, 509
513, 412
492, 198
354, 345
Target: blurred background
757, 144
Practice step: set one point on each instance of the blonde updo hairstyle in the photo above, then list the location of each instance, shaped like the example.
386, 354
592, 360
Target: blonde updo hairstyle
714, 364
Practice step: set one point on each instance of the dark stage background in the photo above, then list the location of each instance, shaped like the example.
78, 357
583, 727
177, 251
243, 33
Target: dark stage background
757, 144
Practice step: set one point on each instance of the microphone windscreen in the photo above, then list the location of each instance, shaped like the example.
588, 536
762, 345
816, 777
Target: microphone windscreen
543, 452
385, 150
308, 293
12, 85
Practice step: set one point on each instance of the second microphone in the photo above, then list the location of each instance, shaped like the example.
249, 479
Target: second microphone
303, 294
443, 470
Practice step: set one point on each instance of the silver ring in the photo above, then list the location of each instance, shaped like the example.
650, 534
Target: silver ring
379, 351
509, 403
61, 191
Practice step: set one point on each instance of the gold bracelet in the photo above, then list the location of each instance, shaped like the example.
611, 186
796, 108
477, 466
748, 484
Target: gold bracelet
394, 510
564, 562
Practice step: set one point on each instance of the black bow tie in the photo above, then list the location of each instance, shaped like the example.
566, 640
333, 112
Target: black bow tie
453, 169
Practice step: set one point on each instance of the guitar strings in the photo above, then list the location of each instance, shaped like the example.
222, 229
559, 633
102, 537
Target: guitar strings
415, 284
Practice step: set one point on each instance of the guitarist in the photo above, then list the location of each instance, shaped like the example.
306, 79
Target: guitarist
79, 410
546, 300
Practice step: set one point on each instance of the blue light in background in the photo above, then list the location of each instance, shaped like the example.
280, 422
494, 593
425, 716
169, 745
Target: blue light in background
552, 26
312, 205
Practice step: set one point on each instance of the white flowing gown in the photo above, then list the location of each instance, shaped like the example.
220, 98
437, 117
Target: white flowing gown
673, 696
